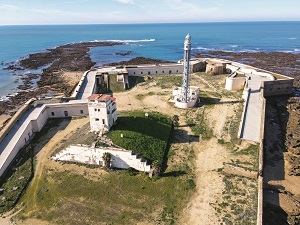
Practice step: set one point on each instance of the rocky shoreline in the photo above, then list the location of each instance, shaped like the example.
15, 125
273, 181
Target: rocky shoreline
75, 57
69, 57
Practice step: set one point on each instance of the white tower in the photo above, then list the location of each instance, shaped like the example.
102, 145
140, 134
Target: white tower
102, 111
185, 90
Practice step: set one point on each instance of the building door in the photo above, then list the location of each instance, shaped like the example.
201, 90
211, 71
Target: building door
66, 113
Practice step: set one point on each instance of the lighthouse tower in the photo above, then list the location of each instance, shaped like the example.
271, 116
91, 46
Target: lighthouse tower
186, 96
185, 89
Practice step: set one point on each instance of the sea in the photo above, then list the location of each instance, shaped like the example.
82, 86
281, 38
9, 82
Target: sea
159, 41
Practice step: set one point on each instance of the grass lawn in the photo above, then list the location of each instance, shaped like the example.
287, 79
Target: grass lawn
146, 136
116, 198
65, 197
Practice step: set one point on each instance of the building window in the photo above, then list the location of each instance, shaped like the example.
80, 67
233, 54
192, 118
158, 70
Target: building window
98, 110
95, 110
177, 71
163, 71
155, 71
148, 72
96, 119
52, 114
170, 71
133, 72
81, 111
141, 72
66, 113
103, 121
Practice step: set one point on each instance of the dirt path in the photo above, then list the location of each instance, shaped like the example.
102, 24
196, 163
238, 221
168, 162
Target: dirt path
209, 184
43, 156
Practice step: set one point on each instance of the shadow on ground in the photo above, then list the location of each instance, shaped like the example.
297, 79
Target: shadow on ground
274, 145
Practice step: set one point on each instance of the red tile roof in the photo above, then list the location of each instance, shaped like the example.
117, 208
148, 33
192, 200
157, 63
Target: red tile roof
101, 97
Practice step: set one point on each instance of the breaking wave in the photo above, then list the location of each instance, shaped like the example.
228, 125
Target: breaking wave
126, 41
203, 49
4, 98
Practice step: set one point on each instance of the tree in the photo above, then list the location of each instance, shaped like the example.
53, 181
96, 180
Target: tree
175, 120
156, 168
106, 158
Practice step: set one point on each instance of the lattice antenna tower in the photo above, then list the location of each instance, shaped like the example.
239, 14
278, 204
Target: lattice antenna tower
185, 90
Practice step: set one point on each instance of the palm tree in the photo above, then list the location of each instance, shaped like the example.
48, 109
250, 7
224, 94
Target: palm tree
106, 158
175, 120
156, 168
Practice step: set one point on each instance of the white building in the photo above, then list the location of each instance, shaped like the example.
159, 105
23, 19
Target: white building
102, 111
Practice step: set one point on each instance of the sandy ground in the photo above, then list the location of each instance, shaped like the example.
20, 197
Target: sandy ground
71, 77
3, 118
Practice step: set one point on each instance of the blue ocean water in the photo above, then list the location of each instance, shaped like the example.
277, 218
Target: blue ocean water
160, 41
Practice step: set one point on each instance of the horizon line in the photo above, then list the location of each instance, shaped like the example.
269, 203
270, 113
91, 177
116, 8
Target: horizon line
145, 23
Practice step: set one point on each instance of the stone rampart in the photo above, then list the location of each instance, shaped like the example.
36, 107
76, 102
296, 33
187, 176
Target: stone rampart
261, 165
278, 87
79, 86
14, 119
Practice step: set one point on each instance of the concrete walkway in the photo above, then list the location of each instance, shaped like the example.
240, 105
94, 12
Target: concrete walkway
253, 114
88, 86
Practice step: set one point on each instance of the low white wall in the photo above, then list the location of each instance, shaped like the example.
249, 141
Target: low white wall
246, 95
235, 83
122, 159
184, 105
67, 110
79, 85
155, 70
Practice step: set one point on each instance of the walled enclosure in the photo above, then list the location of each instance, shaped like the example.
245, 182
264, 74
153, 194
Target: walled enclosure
38, 118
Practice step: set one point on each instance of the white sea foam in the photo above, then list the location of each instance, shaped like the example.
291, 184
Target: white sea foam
203, 49
126, 41
297, 49
4, 98
234, 46
293, 38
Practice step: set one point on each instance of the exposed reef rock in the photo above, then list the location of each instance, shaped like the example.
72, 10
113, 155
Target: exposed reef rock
138, 61
72, 57
124, 53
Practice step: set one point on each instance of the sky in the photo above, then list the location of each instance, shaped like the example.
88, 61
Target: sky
29, 12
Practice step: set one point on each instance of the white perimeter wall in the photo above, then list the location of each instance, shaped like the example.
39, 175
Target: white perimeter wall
34, 123
155, 70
